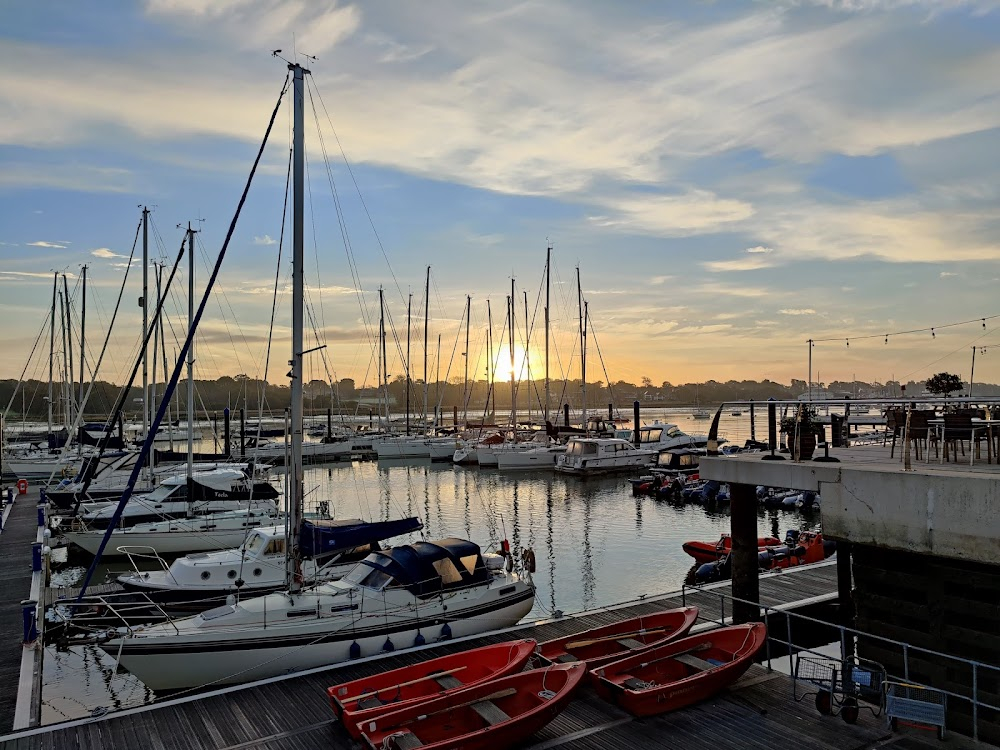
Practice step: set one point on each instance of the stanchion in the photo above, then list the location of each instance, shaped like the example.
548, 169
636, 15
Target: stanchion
36, 557
28, 607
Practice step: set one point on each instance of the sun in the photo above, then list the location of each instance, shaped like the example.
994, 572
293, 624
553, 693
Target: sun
521, 364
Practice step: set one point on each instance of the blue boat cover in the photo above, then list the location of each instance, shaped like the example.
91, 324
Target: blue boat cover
426, 568
319, 538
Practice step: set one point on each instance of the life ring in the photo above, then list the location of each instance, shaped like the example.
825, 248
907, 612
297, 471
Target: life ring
528, 558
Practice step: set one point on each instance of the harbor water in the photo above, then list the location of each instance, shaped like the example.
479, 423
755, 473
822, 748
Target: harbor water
595, 544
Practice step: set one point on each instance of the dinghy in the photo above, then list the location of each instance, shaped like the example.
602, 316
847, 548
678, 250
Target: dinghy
497, 714
666, 678
362, 699
606, 644
705, 552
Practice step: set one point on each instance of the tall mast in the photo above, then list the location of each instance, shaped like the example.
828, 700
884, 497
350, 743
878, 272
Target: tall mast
511, 303
156, 341
70, 375
583, 348
527, 348
548, 268
489, 358
145, 319
409, 304
52, 342
384, 372
427, 301
163, 353
437, 384
465, 383
83, 332
298, 293
190, 364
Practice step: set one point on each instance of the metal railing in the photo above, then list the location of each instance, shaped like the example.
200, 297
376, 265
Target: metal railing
849, 642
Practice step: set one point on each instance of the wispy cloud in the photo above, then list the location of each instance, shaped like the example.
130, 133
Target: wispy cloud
797, 311
104, 252
760, 249
947, 274
658, 280
55, 245
752, 263
265, 240
9, 244
33, 274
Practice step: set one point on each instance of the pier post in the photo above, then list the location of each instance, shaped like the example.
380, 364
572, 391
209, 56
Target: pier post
30, 627
566, 415
454, 416
41, 516
635, 417
845, 593
329, 423
36, 557
743, 528
753, 422
243, 432
226, 447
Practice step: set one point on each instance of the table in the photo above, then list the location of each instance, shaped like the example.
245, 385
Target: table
978, 425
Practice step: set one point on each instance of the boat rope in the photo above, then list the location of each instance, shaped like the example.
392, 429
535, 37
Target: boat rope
172, 384
600, 356
27, 364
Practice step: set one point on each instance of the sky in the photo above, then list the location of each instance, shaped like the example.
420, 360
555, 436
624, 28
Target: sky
731, 179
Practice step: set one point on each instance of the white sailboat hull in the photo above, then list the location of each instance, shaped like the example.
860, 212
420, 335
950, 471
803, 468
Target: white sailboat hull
538, 458
232, 657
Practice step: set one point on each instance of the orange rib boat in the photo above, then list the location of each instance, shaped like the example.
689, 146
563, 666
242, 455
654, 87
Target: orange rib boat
492, 715
610, 642
666, 678
355, 701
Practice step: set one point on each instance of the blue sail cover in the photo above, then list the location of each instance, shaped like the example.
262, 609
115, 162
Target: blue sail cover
319, 538
426, 568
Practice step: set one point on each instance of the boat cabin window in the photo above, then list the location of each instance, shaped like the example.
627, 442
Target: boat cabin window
369, 578
447, 570
469, 562
650, 436
579, 448
675, 431
173, 491
275, 547
255, 543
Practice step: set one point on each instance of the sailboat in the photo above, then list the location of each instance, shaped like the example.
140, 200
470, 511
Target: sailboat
398, 598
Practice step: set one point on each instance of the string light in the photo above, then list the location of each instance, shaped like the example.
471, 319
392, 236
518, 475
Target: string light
984, 323
932, 330
848, 343
887, 338
932, 334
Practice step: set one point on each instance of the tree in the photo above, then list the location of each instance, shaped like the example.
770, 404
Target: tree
646, 382
944, 383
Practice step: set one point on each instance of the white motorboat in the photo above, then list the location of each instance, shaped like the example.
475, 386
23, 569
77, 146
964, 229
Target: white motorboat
394, 599
542, 457
591, 456
661, 436
259, 565
180, 535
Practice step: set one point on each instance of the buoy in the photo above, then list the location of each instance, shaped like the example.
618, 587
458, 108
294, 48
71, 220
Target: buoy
419, 640
388, 645
445, 632
355, 650
529, 559
22, 486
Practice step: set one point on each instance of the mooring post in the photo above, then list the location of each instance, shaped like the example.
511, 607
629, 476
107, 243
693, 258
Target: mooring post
329, 423
225, 435
30, 628
243, 433
743, 528
566, 415
635, 420
753, 422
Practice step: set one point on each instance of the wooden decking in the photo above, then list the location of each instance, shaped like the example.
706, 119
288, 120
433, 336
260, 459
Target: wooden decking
19, 532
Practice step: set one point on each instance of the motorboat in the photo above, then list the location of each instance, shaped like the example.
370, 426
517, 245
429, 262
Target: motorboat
706, 552
591, 456
542, 457
661, 436
393, 599
258, 566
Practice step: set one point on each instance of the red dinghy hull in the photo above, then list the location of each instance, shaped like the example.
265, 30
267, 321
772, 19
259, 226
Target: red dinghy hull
705, 552
606, 644
391, 690
489, 716
666, 678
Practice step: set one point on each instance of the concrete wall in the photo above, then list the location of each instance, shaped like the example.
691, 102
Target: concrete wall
949, 516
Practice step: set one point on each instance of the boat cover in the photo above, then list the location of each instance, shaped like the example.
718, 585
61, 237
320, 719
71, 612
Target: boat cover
320, 537
426, 568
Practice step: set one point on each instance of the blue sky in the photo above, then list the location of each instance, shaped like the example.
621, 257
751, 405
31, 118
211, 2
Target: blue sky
732, 178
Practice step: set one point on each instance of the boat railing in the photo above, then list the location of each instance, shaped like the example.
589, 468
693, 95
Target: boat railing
850, 640
143, 552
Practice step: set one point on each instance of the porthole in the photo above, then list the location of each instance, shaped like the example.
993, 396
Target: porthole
257, 572
231, 574
205, 575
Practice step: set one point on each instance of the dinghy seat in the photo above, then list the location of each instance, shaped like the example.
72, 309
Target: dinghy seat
701, 665
634, 683
566, 658
371, 701
406, 741
490, 712
448, 682
631, 643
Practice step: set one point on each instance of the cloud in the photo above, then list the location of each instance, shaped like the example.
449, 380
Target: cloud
740, 264
265, 240
9, 244
947, 274
760, 249
694, 212
33, 274
104, 252
798, 311
56, 245
658, 280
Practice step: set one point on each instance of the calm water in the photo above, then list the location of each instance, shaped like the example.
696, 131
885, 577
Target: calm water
595, 543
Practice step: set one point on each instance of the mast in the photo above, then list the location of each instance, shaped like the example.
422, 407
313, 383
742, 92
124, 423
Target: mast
527, 349
583, 347
64, 398
52, 342
437, 385
190, 366
298, 294
511, 303
70, 376
548, 268
83, 332
465, 382
489, 358
163, 357
409, 304
384, 370
145, 321
427, 302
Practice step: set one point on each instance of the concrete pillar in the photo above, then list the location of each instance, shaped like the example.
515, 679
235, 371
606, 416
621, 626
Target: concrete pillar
743, 527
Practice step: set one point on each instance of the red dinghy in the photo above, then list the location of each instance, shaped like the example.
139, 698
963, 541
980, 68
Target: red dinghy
605, 644
497, 714
668, 677
705, 552
378, 694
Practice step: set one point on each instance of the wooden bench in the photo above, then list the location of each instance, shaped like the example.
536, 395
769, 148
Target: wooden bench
631, 643
370, 701
695, 663
490, 712
448, 682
